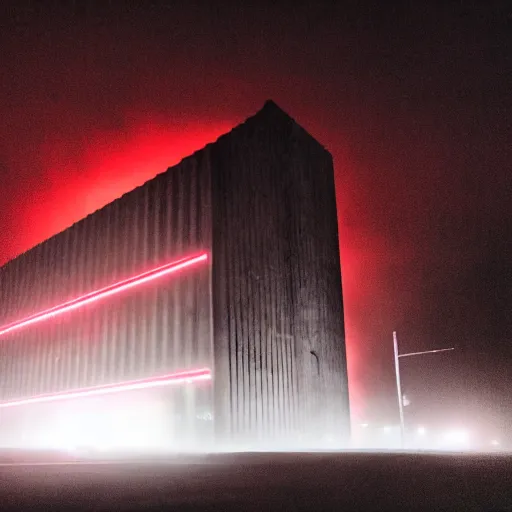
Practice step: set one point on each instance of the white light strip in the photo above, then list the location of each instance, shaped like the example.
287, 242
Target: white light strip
166, 380
104, 292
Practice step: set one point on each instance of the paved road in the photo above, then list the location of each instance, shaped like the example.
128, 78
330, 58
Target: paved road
247, 482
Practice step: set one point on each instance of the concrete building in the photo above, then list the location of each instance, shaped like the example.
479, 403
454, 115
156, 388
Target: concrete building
201, 309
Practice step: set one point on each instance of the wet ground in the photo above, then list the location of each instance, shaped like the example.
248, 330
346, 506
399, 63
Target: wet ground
247, 482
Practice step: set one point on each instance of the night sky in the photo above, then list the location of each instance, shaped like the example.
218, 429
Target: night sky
413, 103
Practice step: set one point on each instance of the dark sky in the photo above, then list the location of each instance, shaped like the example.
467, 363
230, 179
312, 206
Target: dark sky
413, 102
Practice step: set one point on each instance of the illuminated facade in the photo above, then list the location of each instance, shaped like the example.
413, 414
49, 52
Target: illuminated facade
201, 309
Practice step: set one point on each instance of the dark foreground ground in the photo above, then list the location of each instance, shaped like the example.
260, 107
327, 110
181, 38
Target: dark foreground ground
250, 482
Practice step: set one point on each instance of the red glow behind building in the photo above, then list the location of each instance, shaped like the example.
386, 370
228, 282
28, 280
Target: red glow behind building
79, 179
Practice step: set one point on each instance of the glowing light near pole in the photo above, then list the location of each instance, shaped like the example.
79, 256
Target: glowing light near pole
456, 439
165, 380
104, 292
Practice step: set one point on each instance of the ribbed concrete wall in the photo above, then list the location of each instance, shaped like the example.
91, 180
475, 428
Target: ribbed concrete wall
153, 329
276, 285
318, 309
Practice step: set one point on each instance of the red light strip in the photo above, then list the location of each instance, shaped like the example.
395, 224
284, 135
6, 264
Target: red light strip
165, 380
104, 292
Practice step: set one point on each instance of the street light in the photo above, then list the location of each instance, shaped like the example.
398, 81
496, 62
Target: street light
397, 376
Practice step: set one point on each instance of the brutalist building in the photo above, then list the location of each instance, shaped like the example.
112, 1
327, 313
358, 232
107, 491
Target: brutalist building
202, 309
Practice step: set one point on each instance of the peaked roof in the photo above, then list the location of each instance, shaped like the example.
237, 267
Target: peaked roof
270, 113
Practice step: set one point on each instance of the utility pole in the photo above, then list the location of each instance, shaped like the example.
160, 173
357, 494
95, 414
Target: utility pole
399, 390
398, 384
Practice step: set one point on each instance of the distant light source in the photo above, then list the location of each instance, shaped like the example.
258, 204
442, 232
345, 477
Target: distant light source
456, 439
107, 291
387, 429
495, 442
164, 380
364, 425
422, 431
